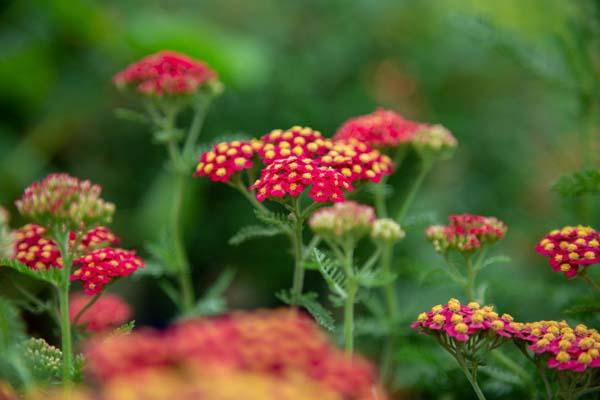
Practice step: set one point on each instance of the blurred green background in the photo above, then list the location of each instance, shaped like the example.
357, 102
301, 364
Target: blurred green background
516, 81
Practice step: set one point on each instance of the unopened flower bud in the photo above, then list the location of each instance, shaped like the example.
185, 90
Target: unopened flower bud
434, 141
387, 231
343, 219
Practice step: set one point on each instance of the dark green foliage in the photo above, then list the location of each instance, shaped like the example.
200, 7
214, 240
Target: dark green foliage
254, 232
310, 302
578, 183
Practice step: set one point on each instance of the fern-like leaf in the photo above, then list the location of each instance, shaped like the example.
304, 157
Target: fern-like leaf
51, 275
310, 303
253, 232
333, 275
578, 183
273, 218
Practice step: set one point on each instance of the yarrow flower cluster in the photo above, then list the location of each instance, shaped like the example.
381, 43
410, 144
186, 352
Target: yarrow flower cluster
101, 266
65, 200
108, 312
466, 233
387, 230
382, 128
460, 322
347, 219
572, 349
571, 249
33, 248
357, 160
291, 175
281, 344
227, 158
165, 73
434, 141
297, 141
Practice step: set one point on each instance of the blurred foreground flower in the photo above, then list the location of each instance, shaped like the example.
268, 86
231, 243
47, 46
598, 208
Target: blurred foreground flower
382, 128
571, 250
466, 233
165, 73
108, 312
66, 202
283, 345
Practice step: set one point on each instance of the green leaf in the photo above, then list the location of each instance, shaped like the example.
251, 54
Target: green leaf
12, 329
51, 275
373, 278
333, 275
272, 218
164, 253
213, 302
578, 183
253, 232
500, 259
124, 329
152, 268
310, 303
131, 116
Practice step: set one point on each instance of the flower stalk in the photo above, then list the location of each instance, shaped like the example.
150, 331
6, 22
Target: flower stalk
62, 239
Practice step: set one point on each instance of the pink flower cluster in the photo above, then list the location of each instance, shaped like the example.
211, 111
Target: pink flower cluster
570, 249
382, 128
99, 267
460, 322
466, 233
227, 158
291, 175
108, 312
357, 160
281, 343
165, 73
567, 348
296, 141
347, 219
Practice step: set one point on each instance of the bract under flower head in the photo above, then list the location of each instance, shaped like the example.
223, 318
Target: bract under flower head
296, 141
459, 322
165, 73
282, 344
434, 141
347, 219
99, 267
387, 230
382, 128
227, 158
466, 233
292, 175
357, 160
571, 249
572, 349
60, 199
108, 312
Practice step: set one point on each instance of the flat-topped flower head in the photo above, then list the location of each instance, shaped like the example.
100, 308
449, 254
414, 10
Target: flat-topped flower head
60, 199
281, 344
297, 141
357, 160
107, 313
460, 322
382, 128
571, 249
227, 158
466, 233
387, 230
341, 220
292, 175
95, 238
34, 249
166, 73
572, 349
101, 266
434, 142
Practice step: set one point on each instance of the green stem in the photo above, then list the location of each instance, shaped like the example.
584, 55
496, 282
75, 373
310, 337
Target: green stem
425, 167
390, 293
470, 282
87, 307
62, 239
588, 281
184, 275
515, 368
195, 129
379, 195
298, 254
471, 376
351, 289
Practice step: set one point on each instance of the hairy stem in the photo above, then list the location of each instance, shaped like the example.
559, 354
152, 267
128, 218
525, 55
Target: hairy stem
62, 239
351, 289
298, 254
471, 375
416, 185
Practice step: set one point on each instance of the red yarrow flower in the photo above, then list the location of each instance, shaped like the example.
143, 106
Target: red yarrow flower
165, 73
292, 175
460, 322
571, 249
225, 159
296, 141
33, 248
108, 312
357, 160
382, 128
101, 266
466, 232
